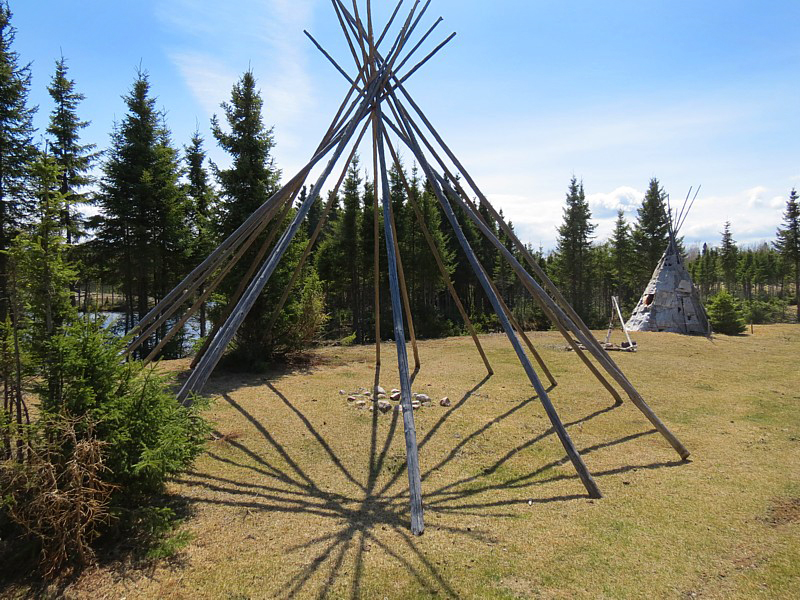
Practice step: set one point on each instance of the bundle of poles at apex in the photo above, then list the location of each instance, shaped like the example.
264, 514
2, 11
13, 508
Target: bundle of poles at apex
378, 100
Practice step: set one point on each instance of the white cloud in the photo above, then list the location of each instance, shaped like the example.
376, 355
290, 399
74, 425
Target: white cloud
624, 197
754, 213
777, 202
216, 41
755, 196
208, 78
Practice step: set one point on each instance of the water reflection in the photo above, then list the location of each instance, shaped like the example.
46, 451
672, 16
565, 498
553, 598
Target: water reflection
179, 346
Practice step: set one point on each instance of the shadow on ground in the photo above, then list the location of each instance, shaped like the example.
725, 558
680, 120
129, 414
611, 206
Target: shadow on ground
375, 502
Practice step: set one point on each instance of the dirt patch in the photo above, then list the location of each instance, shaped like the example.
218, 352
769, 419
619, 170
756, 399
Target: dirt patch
518, 588
784, 511
225, 438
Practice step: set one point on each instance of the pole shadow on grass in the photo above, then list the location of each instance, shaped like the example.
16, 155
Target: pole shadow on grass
362, 505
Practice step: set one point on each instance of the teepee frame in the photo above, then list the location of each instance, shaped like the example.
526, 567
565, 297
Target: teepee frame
630, 345
378, 100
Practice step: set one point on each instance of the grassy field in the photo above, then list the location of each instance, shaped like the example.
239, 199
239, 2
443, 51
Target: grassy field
303, 495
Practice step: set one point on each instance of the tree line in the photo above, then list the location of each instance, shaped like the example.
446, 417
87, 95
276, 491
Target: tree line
162, 207
763, 278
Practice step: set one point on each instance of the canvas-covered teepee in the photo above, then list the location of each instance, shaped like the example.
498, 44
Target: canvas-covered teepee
671, 301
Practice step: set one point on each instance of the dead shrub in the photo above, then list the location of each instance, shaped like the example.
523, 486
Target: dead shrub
58, 496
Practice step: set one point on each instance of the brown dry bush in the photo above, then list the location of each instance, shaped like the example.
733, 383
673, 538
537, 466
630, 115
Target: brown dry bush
58, 496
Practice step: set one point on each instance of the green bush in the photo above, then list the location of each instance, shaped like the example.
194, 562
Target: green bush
767, 310
348, 340
725, 315
107, 438
148, 435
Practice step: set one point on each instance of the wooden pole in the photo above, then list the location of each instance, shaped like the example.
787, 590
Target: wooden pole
412, 455
362, 71
199, 375
438, 258
172, 302
622, 321
245, 279
312, 240
558, 426
430, 55
419, 43
402, 37
562, 308
388, 24
146, 332
599, 354
203, 297
406, 302
224, 271
376, 247
521, 332
360, 34
514, 323
369, 25
554, 316
191, 282
559, 298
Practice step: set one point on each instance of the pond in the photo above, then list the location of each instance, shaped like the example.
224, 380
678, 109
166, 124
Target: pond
178, 347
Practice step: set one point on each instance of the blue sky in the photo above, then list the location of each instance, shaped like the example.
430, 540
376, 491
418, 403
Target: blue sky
527, 94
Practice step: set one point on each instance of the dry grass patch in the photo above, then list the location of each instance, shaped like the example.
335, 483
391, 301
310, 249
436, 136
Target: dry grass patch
306, 496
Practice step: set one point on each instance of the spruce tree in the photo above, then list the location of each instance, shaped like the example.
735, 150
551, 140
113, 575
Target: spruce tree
366, 252
788, 242
603, 283
574, 248
623, 258
44, 274
339, 259
746, 271
504, 277
144, 207
708, 270
202, 200
16, 149
314, 215
346, 248
73, 158
651, 231
464, 279
430, 285
252, 177
725, 315
728, 258
199, 191
244, 186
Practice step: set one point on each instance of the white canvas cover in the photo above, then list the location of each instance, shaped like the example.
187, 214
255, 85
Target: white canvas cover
670, 301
